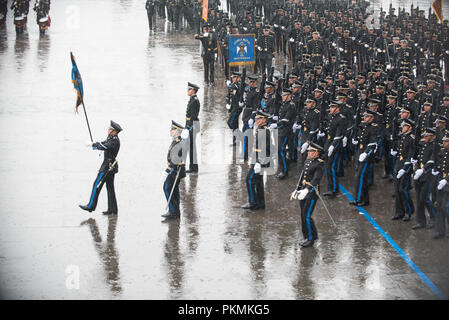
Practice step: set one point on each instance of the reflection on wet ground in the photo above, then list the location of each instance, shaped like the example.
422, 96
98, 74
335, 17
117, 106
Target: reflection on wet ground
216, 250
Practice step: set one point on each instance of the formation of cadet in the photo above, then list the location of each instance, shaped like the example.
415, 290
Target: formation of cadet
354, 90
22, 7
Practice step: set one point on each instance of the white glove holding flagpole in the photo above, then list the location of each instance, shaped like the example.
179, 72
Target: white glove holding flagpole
302, 194
441, 184
400, 173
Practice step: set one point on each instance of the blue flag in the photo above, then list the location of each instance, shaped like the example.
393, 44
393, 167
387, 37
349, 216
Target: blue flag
77, 83
241, 49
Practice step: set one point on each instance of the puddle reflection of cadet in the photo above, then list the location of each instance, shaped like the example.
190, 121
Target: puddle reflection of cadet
175, 170
106, 251
304, 285
190, 216
257, 255
306, 191
43, 49
107, 171
174, 259
192, 124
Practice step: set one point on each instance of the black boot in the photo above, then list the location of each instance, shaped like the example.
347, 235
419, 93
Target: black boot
250, 206
85, 208
170, 215
282, 176
306, 243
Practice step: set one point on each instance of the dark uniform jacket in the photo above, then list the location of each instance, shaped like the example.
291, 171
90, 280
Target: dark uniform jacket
406, 151
193, 109
427, 154
311, 175
367, 137
110, 147
310, 122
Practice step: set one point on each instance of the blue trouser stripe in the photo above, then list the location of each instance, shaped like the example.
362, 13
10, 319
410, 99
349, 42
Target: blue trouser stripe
282, 154
167, 194
95, 189
407, 199
361, 182
333, 173
232, 120
308, 219
251, 195
245, 141
431, 208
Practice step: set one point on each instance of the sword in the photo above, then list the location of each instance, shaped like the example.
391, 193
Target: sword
172, 189
111, 167
324, 205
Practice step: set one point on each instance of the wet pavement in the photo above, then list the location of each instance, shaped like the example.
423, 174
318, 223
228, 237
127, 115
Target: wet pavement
50, 249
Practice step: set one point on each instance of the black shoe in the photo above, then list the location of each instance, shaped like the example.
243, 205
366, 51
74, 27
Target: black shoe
250, 206
260, 207
306, 243
406, 218
170, 215
395, 217
282, 176
438, 236
431, 224
418, 226
353, 203
386, 176
362, 204
109, 212
330, 194
192, 171
85, 208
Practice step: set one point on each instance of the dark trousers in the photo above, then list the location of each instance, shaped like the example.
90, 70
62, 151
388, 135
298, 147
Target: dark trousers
332, 178
442, 207
100, 180
150, 19
233, 120
192, 147
208, 62
173, 206
403, 202
389, 159
423, 187
282, 153
307, 224
361, 190
265, 64
254, 186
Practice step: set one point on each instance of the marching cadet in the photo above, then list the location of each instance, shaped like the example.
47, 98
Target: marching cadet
193, 125
403, 153
346, 47
265, 45
424, 179
175, 170
262, 154
107, 171
150, 6
442, 193
310, 125
307, 192
367, 145
426, 118
444, 108
316, 49
390, 118
209, 49
252, 101
233, 101
284, 126
336, 131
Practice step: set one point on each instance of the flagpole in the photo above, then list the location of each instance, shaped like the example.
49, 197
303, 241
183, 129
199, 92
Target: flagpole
87, 121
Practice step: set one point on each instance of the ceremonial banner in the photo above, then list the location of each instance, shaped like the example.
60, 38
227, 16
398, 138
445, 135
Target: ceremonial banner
77, 83
205, 9
437, 7
241, 49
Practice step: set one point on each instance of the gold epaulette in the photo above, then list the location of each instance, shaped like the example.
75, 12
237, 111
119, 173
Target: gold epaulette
320, 160
317, 111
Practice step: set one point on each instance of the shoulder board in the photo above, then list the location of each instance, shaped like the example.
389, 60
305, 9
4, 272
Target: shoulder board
320, 160
196, 98
374, 124
257, 90
412, 136
343, 116
316, 110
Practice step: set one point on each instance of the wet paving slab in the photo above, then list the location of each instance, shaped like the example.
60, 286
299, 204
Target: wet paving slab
216, 250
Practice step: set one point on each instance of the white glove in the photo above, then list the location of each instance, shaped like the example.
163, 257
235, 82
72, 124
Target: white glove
362, 157
391, 137
228, 106
418, 174
330, 150
245, 28
296, 127
435, 173
334, 44
273, 126
206, 34
302, 194
250, 123
185, 134
400, 173
345, 142
275, 118
393, 153
441, 184
283, 28
228, 83
341, 49
292, 40
294, 194
413, 161
164, 174
216, 55
259, 48
354, 141
320, 134
257, 168
241, 104
353, 38
366, 46
275, 25
378, 50
304, 147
